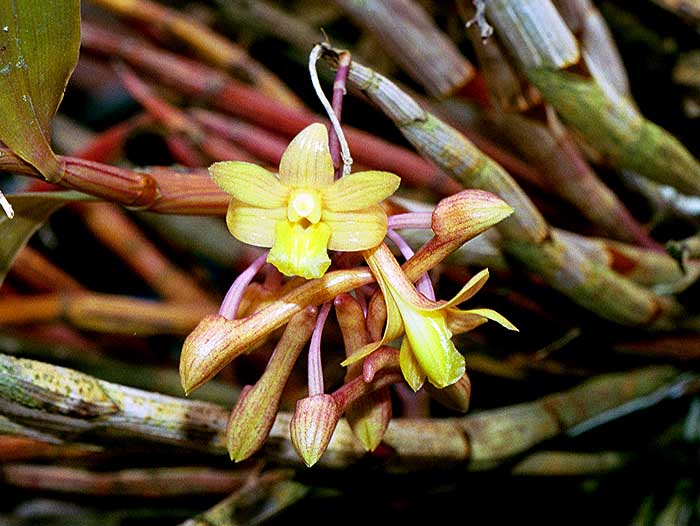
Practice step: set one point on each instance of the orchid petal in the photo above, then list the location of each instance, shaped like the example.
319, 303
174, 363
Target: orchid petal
249, 183
359, 190
430, 339
384, 264
353, 231
411, 369
253, 225
300, 251
307, 163
473, 286
494, 316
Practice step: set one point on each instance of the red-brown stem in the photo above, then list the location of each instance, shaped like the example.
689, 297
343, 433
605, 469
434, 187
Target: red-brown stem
159, 189
218, 149
34, 270
341, 77
682, 347
262, 144
202, 82
209, 45
15, 448
154, 482
175, 120
103, 313
116, 231
184, 151
185, 137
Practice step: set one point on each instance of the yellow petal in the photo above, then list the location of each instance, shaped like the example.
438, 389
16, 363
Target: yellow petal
384, 264
253, 225
249, 183
411, 369
299, 251
494, 316
473, 286
353, 231
430, 339
362, 353
307, 163
359, 190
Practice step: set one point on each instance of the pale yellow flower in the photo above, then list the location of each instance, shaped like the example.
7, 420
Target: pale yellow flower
427, 350
302, 213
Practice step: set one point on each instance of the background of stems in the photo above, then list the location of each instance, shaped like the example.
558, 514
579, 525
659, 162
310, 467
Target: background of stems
590, 413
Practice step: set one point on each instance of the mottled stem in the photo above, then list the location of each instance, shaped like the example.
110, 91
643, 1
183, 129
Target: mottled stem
53, 401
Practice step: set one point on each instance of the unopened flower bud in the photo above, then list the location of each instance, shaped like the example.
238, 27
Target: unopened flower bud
254, 413
198, 361
467, 214
312, 426
369, 418
250, 422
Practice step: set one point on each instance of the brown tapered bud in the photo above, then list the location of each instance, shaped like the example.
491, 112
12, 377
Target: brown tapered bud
456, 220
455, 396
312, 426
216, 341
467, 214
256, 408
200, 359
369, 416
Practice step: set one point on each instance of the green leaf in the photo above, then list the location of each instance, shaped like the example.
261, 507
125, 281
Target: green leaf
39, 43
31, 211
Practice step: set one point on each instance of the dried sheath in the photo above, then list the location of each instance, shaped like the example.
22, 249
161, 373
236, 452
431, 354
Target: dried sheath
599, 51
534, 33
409, 35
571, 177
508, 87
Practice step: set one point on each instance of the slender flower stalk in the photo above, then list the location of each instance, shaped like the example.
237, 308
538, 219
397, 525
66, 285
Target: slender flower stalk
234, 296
411, 220
315, 370
423, 285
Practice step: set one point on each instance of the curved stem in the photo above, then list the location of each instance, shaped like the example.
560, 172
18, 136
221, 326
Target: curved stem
423, 285
315, 370
411, 220
232, 300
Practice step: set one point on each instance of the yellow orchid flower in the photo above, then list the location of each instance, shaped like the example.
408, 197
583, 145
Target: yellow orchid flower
303, 212
427, 350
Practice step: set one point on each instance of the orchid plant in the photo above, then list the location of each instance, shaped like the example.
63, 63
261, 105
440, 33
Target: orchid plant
301, 214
